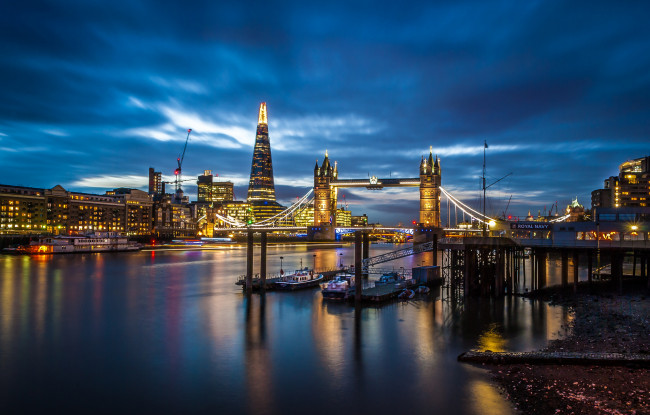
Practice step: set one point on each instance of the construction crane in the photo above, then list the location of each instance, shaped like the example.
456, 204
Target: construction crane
507, 206
177, 188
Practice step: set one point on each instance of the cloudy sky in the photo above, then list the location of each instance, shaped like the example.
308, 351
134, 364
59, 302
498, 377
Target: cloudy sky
96, 92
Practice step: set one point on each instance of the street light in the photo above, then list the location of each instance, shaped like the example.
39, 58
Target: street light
341, 260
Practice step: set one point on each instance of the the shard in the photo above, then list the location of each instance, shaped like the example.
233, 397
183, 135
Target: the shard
261, 186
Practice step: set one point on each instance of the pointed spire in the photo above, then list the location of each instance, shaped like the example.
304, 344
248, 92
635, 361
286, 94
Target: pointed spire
431, 155
261, 118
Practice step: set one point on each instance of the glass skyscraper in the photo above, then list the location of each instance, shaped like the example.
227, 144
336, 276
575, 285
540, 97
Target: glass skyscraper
261, 186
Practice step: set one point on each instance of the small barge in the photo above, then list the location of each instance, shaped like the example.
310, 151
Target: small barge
97, 242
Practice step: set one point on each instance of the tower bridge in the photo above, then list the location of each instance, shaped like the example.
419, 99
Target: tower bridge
327, 183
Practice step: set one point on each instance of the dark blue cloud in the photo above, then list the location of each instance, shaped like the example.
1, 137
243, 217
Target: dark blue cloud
96, 90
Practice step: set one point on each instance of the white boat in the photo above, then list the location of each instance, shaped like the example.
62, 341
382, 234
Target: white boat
302, 278
97, 242
390, 278
338, 289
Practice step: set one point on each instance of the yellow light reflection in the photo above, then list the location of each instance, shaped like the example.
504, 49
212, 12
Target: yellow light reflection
487, 399
491, 340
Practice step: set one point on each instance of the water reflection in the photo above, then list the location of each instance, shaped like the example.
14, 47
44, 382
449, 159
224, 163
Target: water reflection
171, 329
259, 376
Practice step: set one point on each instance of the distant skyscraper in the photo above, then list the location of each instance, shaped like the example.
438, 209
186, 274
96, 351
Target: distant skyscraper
261, 186
211, 191
156, 185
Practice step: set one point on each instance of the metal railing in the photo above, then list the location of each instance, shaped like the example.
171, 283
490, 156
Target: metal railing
400, 253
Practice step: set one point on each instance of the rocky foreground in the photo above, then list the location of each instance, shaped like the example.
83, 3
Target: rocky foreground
602, 324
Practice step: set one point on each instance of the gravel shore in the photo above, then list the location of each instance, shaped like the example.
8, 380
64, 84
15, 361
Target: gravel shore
604, 324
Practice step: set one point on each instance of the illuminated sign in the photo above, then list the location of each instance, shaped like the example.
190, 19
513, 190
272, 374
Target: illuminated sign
531, 226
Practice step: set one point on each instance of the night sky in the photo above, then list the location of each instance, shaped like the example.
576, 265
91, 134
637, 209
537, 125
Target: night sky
94, 93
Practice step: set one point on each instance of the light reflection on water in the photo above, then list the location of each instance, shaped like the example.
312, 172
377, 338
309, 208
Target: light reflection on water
169, 331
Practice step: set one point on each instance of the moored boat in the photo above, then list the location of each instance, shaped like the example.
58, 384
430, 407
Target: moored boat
97, 242
406, 294
390, 278
300, 279
338, 289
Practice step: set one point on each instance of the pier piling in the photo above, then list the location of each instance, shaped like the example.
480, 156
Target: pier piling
263, 260
576, 263
357, 266
249, 263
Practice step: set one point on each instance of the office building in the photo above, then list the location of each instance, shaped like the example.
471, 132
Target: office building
211, 191
156, 184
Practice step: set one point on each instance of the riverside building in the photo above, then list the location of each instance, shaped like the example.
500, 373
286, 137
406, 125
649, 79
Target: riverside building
631, 188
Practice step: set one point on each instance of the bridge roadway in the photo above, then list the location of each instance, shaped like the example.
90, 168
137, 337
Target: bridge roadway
304, 229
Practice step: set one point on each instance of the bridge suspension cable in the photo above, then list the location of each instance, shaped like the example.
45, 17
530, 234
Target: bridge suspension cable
305, 200
230, 220
560, 219
463, 207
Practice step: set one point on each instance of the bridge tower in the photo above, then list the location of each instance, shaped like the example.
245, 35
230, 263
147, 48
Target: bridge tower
430, 179
325, 196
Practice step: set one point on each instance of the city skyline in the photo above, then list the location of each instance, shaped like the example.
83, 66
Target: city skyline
95, 95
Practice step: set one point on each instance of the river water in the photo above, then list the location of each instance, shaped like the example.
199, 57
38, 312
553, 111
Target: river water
170, 332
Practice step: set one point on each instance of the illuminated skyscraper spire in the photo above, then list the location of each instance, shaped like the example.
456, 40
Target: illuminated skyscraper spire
261, 118
261, 186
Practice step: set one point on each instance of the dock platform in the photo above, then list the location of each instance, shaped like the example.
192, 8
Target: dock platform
383, 292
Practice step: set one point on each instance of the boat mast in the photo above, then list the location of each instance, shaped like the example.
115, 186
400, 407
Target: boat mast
484, 147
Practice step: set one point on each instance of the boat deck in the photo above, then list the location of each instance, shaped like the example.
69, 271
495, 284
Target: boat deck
272, 282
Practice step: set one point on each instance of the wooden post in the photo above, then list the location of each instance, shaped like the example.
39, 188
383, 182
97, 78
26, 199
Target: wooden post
263, 261
576, 262
467, 270
498, 274
509, 270
434, 252
366, 249
534, 261
541, 272
249, 262
523, 267
565, 268
357, 266
590, 268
